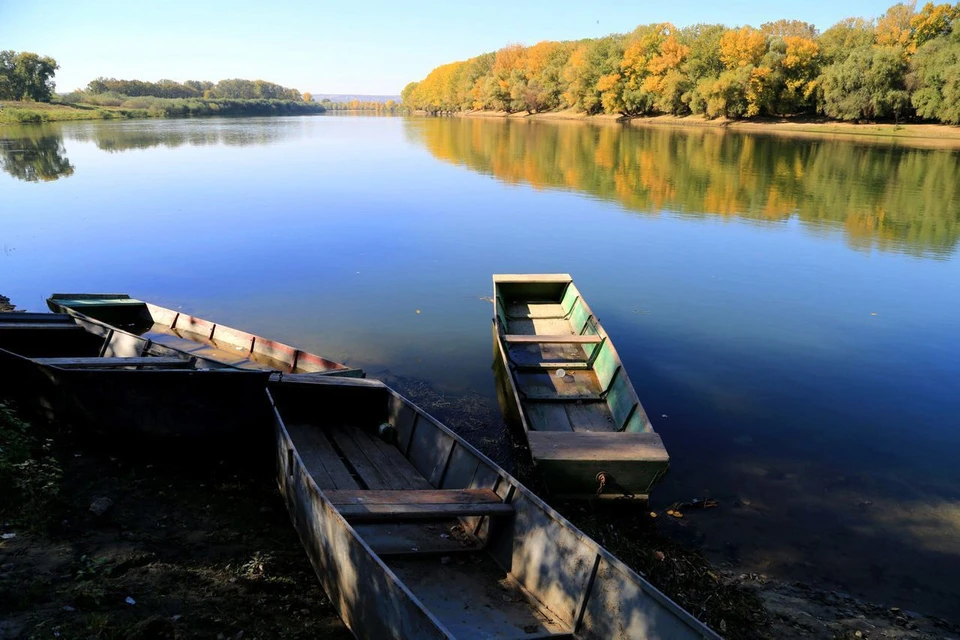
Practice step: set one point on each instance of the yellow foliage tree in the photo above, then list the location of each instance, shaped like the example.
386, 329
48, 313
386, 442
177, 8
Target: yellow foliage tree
307, 96
932, 21
742, 47
894, 27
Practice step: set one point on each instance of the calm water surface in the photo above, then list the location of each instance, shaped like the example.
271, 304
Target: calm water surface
787, 309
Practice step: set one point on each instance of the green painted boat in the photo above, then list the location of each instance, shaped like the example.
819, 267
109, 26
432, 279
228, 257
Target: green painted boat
208, 341
561, 380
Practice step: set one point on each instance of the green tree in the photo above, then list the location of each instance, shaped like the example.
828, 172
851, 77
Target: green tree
869, 84
935, 74
26, 76
838, 41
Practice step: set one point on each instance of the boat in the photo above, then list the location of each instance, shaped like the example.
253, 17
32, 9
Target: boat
413, 533
561, 380
212, 343
83, 372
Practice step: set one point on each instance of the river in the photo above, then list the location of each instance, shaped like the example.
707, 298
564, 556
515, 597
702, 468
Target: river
788, 309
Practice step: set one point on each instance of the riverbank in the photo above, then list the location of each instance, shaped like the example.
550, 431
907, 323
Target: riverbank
924, 135
12, 112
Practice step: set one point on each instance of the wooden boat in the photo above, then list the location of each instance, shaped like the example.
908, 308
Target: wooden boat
212, 343
415, 534
116, 382
563, 383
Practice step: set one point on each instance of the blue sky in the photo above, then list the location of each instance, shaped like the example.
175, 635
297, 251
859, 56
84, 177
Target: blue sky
339, 47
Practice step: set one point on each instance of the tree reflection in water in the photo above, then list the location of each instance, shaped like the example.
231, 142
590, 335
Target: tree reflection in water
35, 158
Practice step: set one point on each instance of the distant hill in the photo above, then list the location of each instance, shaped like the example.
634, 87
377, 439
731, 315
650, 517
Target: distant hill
347, 97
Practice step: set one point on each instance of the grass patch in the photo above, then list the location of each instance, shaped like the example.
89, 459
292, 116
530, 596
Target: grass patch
29, 474
108, 107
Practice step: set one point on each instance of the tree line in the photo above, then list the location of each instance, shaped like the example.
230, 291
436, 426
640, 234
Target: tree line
388, 106
884, 197
235, 88
26, 76
902, 64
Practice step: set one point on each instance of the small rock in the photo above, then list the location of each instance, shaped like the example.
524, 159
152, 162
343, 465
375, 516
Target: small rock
68, 608
8, 536
858, 634
176, 617
130, 600
101, 506
446, 560
265, 509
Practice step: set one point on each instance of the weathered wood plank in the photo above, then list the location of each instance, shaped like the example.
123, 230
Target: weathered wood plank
512, 338
401, 465
533, 310
533, 366
392, 538
598, 446
431, 496
368, 470
319, 455
544, 416
421, 511
396, 471
501, 278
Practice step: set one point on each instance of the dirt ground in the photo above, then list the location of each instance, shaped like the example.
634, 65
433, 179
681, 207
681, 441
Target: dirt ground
189, 546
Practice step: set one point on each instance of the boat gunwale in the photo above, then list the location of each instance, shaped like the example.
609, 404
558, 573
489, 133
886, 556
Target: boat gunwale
517, 487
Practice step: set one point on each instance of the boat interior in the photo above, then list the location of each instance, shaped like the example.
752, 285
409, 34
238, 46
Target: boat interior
566, 372
195, 336
422, 502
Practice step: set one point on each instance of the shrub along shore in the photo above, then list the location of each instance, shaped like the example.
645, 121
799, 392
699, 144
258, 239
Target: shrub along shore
12, 112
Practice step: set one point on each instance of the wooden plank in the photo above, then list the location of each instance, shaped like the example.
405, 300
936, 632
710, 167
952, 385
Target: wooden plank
552, 339
97, 362
401, 466
319, 455
392, 538
395, 470
591, 417
547, 417
411, 497
540, 396
597, 446
533, 366
535, 310
501, 278
421, 511
367, 469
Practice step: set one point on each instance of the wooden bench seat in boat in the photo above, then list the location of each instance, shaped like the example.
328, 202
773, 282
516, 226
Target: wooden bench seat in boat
569, 338
417, 504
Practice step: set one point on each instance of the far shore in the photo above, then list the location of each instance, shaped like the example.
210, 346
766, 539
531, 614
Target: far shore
921, 135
